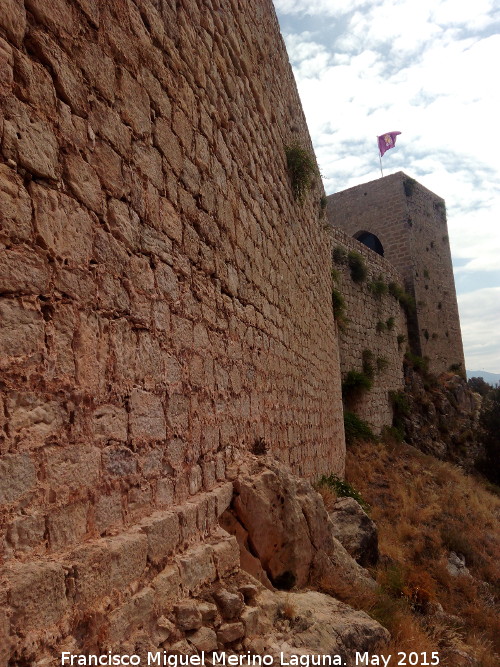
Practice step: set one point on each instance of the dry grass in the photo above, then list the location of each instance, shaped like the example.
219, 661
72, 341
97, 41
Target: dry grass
425, 508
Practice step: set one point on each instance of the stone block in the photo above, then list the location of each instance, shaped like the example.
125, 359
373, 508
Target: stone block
187, 615
67, 525
226, 556
17, 477
123, 223
73, 465
6, 67
128, 558
84, 183
108, 166
167, 587
230, 632
133, 103
178, 413
29, 141
107, 124
15, 206
21, 330
196, 567
119, 461
110, 422
37, 594
204, 639
58, 15
64, 226
13, 20
224, 495
108, 511
69, 81
147, 419
135, 613
33, 418
26, 533
230, 604
90, 572
163, 534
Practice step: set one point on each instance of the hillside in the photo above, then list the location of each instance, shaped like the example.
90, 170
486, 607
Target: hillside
439, 541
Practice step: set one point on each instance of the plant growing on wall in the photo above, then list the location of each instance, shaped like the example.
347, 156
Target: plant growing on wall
338, 304
390, 323
378, 287
302, 168
409, 186
339, 255
357, 266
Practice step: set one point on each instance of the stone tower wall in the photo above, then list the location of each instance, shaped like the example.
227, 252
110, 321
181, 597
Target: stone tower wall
410, 222
372, 323
164, 301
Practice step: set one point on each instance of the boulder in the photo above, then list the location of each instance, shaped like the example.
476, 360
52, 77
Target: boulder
281, 521
311, 623
355, 531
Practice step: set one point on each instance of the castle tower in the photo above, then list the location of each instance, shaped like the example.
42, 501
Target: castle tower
406, 223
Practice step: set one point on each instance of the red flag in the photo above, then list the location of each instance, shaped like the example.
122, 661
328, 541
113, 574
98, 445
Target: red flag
387, 141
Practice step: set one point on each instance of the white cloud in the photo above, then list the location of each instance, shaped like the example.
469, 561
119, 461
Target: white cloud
479, 317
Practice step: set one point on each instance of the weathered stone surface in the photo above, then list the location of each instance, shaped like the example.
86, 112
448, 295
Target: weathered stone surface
147, 418
355, 531
37, 594
30, 141
21, 330
17, 477
289, 529
321, 625
84, 183
230, 604
230, 632
188, 616
13, 20
15, 206
204, 639
22, 272
63, 225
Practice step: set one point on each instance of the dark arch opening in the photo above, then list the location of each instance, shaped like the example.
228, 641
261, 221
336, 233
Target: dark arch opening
370, 241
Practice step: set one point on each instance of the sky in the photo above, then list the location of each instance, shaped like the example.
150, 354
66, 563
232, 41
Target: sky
428, 69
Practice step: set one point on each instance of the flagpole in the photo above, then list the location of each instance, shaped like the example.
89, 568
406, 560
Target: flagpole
380, 158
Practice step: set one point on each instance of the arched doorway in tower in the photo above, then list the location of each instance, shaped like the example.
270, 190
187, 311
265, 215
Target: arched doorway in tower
371, 241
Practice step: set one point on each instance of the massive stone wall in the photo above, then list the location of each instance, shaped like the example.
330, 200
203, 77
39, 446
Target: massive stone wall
372, 329
164, 301
410, 222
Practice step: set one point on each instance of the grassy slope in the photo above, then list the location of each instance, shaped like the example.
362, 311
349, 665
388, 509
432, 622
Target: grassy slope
425, 508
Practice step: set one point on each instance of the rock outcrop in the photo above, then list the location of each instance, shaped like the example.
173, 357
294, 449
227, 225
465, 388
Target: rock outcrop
284, 530
355, 531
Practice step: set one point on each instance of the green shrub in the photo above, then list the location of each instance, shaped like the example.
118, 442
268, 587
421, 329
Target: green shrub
401, 339
357, 266
356, 382
301, 169
338, 303
381, 326
378, 287
405, 299
417, 363
339, 255
390, 323
335, 275
343, 489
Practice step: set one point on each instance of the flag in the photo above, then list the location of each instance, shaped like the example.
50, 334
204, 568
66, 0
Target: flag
386, 141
